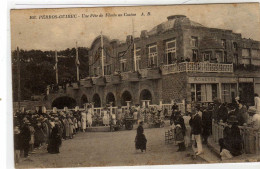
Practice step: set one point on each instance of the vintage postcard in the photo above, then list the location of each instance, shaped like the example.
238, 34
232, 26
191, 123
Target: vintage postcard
142, 85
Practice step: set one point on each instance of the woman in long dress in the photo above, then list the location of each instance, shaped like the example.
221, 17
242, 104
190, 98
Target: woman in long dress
140, 139
55, 140
187, 137
89, 118
106, 118
83, 121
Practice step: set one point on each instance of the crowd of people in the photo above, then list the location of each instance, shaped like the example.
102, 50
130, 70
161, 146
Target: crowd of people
40, 129
46, 130
195, 126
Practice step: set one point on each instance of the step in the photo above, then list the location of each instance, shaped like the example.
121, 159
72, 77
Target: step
209, 155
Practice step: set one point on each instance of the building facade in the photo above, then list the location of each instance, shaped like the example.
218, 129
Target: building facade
177, 59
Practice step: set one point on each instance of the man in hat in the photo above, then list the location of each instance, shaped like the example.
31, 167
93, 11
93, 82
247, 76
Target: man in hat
196, 129
206, 124
231, 143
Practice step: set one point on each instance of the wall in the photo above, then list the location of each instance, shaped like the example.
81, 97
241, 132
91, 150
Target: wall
174, 86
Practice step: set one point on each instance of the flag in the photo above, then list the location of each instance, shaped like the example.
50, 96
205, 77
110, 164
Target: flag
77, 56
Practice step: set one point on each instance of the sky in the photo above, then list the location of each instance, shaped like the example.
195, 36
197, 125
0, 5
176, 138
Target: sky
60, 34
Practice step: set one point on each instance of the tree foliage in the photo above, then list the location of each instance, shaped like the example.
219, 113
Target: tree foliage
37, 69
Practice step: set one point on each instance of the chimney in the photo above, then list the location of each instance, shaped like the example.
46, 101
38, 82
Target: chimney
175, 17
144, 34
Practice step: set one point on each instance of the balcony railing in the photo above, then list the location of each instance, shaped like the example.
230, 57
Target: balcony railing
197, 67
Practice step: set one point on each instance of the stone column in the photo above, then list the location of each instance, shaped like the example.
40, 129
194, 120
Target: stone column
128, 104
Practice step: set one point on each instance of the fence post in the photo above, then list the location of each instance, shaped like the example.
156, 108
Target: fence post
245, 140
111, 109
257, 142
128, 104
213, 130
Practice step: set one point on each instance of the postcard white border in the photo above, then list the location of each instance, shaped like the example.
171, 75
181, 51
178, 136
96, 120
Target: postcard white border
6, 156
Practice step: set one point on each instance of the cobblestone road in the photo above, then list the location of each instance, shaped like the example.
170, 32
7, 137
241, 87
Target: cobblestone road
110, 149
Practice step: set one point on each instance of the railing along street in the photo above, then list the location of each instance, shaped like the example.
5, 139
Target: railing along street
250, 136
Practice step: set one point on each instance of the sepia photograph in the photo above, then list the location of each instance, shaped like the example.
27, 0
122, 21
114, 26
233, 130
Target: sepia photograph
135, 85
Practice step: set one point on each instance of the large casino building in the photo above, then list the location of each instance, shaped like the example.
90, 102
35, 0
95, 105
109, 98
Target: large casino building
176, 60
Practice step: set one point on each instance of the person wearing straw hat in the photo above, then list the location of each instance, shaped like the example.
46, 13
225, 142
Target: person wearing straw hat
231, 143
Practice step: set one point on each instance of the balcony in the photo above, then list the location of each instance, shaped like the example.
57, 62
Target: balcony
197, 67
130, 76
108, 78
150, 73
86, 83
94, 80
100, 81
116, 79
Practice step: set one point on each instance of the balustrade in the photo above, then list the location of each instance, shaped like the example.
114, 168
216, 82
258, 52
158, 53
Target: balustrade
197, 67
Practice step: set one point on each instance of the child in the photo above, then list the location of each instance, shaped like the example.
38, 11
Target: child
179, 137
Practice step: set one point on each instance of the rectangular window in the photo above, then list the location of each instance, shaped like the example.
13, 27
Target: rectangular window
223, 43
170, 52
138, 58
123, 65
203, 92
194, 41
206, 56
225, 57
195, 55
235, 59
152, 55
219, 57
255, 53
107, 69
245, 53
226, 93
235, 46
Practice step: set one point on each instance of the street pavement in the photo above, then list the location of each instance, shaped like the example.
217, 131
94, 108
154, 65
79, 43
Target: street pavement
110, 149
